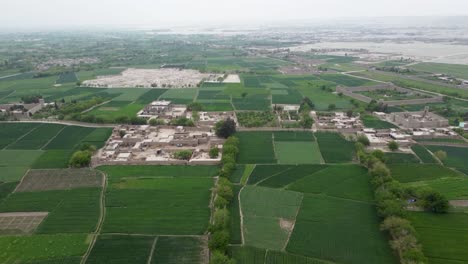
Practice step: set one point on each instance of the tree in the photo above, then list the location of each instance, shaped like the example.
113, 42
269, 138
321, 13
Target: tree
363, 140
393, 145
195, 106
306, 121
156, 122
219, 240
435, 202
80, 159
349, 113
218, 257
225, 128
122, 133
441, 155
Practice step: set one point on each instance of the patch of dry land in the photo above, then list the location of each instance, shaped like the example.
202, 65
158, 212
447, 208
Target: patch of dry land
153, 78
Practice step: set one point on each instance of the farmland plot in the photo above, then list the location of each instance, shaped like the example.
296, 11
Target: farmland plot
256, 147
69, 137
424, 155
158, 206
269, 216
67, 77
395, 157
71, 211
20, 223
46, 180
10, 132
38, 137
297, 152
334, 148
63, 248
121, 249
339, 230
287, 176
456, 157
175, 250
443, 237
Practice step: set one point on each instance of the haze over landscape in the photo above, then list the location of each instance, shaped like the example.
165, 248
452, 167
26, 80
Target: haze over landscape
66, 13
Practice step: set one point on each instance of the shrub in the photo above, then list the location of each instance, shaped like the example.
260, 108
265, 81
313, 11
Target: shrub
156, 122
441, 155
214, 152
221, 219
182, 155
182, 121
390, 207
220, 202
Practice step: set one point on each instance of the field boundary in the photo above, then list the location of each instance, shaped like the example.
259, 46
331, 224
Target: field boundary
241, 215
101, 218
294, 224
50, 140
153, 247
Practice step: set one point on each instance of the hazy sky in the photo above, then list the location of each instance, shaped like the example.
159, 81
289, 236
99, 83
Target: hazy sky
62, 13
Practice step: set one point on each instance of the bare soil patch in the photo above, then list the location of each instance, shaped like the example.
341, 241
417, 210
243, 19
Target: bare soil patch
286, 224
459, 203
20, 222
64, 179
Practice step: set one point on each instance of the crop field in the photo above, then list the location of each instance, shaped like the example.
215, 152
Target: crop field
69, 137
63, 248
321, 94
256, 148
424, 155
13, 168
256, 102
20, 223
297, 152
51, 159
46, 180
457, 70
374, 122
443, 236
157, 205
38, 137
118, 172
456, 157
121, 249
10, 132
395, 157
247, 255
328, 228
290, 96
420, 172
334, 148
67, 77
150, 96
180, 96
280, 176
175, 250
235, 225
289, 136
344, 181
269, 216
346, 80
115, 109
71, 211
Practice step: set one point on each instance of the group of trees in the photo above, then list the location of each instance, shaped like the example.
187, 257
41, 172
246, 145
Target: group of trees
82, 157
182, 154
219, 229
392, 198
182, 121
225, 128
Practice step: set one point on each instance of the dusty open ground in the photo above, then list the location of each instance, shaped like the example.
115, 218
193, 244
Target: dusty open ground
152, 78
20, 223
43, 180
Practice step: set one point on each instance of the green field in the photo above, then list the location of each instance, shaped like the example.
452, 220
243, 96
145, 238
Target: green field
374, 122
420, 172
297, 152
121, 249
443, 237
180, 96
66, 77
10, 132
69, 137
459, 71
38, 137
175, 250
395, 157
346, 80
138, 204
424, 155
235, 223
280, 176
71, 211
256, 147
456, 157
63, 248
265, 210
339, 230
334, 148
